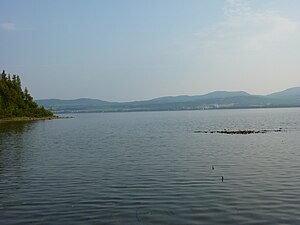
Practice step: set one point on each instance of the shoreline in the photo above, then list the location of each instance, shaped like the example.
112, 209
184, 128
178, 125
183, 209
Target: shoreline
19, 119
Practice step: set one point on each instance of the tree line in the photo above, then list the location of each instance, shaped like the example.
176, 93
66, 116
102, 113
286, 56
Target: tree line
14, 102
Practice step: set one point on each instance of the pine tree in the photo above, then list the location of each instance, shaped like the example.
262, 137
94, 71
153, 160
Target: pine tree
17, 103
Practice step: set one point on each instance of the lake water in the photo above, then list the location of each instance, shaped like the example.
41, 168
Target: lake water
151, 168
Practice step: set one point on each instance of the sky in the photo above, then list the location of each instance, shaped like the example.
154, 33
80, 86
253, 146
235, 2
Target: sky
124, 50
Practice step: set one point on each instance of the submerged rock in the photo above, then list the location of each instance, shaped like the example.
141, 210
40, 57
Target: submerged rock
243, 132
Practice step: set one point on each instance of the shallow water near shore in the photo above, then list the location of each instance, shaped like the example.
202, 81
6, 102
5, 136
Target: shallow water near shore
151, 168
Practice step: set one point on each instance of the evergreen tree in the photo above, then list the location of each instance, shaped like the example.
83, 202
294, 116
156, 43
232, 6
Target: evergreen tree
14, 102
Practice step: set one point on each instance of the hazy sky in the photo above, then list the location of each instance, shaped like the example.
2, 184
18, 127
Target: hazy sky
124, 50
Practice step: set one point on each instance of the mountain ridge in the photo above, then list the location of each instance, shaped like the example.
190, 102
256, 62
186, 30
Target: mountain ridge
213, 100
294, 91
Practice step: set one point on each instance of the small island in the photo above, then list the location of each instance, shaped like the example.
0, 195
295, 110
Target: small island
16, 104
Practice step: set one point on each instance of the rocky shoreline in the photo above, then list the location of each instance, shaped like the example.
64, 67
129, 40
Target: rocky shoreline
243, 132
16, 119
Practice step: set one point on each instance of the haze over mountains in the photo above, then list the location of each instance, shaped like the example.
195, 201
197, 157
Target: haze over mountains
212, 100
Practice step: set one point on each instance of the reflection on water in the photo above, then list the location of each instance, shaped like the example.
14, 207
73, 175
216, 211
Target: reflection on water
14, 128
12, 132
11, 156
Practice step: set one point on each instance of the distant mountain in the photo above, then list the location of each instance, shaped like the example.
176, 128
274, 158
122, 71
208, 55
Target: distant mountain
224, 94
187, 98
213, 100
75, 104
78, 102
295, 91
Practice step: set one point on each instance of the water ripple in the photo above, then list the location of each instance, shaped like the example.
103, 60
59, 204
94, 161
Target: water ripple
150, 168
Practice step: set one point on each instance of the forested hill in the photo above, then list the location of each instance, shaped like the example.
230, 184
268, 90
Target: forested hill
14, 102
213, 100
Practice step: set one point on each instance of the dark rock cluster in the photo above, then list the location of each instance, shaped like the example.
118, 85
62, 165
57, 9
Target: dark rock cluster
244, 132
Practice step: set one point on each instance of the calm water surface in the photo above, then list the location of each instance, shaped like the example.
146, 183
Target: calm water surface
150, 168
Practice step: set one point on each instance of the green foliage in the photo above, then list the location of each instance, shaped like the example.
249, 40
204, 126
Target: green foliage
14, 102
